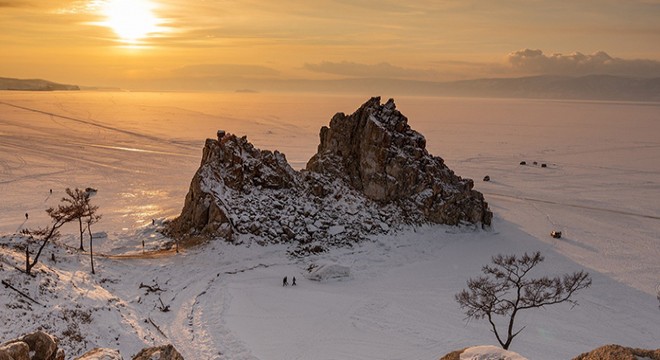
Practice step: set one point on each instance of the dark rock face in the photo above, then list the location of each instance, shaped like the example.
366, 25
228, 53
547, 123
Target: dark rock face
371, 174
376, 152
234, 164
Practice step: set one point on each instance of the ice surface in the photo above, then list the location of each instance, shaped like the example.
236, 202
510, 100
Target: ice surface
601, 188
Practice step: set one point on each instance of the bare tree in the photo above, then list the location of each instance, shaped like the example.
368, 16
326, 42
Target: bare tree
79, 201
60, 216
91, 219
506, 290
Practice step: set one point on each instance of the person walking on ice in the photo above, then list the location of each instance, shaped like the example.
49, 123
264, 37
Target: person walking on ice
285, 282
293, 282
26, 216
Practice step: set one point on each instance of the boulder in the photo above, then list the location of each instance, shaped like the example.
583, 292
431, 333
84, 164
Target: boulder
101, 354
15, 351
33, 346
43, 345
618, 352
165, 352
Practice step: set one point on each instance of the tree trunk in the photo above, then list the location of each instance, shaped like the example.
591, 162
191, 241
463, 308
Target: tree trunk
50, 234
27, 260
91, 249
81, 234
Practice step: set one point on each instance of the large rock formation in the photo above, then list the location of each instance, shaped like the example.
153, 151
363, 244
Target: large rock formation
376, 152
229, 164
372, 174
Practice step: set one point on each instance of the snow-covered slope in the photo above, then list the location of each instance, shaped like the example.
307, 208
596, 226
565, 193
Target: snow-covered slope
227, 302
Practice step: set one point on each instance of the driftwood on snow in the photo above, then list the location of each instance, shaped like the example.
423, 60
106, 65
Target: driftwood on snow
154, 288
8, 285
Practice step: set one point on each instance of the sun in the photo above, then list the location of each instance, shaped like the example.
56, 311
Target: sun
131, 20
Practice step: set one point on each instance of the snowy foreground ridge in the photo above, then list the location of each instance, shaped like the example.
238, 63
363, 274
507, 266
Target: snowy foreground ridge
390, 296
372, 173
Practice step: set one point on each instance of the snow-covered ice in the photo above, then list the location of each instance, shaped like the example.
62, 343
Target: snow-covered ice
601, 188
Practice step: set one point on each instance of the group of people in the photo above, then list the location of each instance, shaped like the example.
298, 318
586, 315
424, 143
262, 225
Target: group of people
285, 281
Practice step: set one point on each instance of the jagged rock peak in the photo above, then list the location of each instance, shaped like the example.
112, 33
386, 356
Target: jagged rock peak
242, 166
376, 152
372, 174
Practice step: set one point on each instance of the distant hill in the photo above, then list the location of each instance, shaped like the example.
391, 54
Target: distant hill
591, 87
33, 85
595, 87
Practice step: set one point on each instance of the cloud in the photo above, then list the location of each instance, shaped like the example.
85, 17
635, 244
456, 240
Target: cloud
381, 70
576, 64
208, 70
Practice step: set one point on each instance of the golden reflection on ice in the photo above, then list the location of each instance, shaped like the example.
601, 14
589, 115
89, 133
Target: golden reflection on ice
147, 209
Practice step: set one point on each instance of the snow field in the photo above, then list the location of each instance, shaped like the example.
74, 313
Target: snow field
600, 188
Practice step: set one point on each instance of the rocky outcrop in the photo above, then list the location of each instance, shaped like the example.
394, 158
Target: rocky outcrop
229, 164
165, 352
618, 352
376, 152
372, 174
42, 346
33, 346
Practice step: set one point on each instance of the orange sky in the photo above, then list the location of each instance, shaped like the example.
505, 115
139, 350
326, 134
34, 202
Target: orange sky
163, 44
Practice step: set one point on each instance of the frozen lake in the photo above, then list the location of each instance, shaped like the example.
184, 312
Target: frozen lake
600, 187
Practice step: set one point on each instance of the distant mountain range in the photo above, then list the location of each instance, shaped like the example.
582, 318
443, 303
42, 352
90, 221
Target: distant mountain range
590, 87
33, 85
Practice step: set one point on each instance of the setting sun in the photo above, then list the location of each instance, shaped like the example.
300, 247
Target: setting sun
131, 20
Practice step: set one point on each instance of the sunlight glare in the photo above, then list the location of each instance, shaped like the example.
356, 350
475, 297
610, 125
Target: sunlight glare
131, 20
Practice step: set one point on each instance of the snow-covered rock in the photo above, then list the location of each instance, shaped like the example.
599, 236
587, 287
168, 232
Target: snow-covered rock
484, 352
375, 151
371, 175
